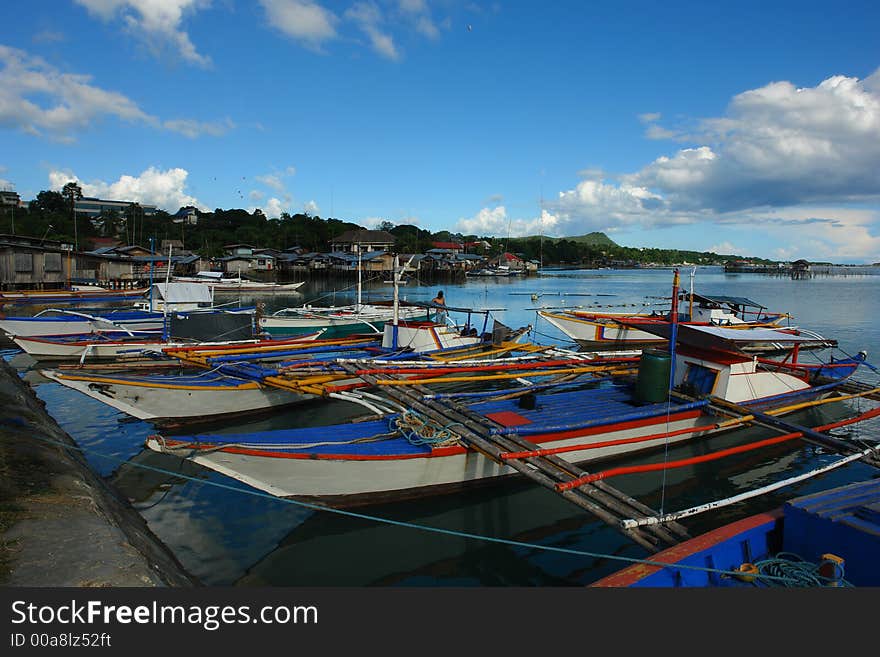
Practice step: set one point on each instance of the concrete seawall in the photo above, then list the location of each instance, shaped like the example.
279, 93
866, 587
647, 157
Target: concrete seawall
61, 525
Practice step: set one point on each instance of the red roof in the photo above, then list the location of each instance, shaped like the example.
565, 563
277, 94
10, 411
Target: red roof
447, 245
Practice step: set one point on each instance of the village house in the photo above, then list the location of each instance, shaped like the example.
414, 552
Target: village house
30, 262
352, 241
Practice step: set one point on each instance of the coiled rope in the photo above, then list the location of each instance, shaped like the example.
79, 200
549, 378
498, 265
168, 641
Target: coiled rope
790, 570
421, 430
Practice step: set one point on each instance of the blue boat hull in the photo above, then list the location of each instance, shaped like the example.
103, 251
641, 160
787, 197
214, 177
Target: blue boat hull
842, 523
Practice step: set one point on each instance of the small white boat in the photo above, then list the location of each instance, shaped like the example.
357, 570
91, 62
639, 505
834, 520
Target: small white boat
338, 320
76, 293
116, 345
167, 400
596, 330
56, 321
218, 283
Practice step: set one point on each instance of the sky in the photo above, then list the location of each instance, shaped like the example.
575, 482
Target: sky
748, 128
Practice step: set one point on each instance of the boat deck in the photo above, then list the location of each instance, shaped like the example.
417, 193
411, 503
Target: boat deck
605, 405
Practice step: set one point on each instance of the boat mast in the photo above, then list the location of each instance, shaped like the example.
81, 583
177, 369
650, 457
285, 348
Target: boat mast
165, 330
359, 288
673, 338
396, 320
152, 264
691, 309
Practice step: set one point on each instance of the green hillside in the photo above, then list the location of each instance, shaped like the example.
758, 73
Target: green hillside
590, 239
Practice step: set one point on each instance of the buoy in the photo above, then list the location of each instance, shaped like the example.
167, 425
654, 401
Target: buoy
747, 572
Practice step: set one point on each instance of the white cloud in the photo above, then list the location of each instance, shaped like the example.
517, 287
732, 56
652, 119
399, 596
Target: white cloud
256, 195
158, 23
37, 98
725, 248
778, 152
302, 20
370, 20
164, 189
273, 208
495, 221
276, 180
192, 128
311, 208
419, 14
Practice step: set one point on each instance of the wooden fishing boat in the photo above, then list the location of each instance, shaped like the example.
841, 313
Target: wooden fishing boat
598, 331
74, 294
120, 345
253, 363
830, 538
221, 284
338, 321
58, 321
169, 400
429, 448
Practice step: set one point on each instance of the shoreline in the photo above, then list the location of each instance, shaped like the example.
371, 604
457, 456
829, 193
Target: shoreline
61, 525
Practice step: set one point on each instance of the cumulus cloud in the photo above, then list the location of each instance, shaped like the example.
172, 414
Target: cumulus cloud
302, 20
273, 208
164, 189
369, 18
311, 208
39, 99
418, 14
382, 23
725, 248
157, 23
777, 147
276, 180
495, 221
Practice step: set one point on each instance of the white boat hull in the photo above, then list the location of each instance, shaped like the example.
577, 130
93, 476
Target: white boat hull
47, 349
36, 327
170, 403
349, 481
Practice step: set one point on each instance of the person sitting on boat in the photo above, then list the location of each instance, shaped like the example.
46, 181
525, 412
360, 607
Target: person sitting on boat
440, 316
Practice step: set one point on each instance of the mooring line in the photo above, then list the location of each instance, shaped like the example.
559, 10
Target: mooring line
400, 523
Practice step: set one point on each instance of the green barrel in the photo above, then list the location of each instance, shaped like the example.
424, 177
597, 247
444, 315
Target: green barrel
652, 383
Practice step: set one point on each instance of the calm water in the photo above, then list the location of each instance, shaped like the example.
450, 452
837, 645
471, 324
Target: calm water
225, 533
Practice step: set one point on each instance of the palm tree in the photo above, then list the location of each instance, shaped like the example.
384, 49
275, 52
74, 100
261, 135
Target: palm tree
73, 192
132, 212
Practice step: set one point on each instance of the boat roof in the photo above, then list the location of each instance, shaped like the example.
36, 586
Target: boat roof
184, 292
722, 337
732, 301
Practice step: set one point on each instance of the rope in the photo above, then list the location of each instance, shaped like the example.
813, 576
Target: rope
420, 430
383, 520
790, 570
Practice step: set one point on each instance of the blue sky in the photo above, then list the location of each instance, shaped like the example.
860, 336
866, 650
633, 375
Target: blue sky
749, 127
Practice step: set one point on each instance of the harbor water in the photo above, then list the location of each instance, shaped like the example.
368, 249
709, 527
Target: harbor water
508, 534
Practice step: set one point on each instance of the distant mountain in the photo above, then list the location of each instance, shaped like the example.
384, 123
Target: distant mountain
593, 239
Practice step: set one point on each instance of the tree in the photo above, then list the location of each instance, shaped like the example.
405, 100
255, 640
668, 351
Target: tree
72, 192
110, 223
132, 212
